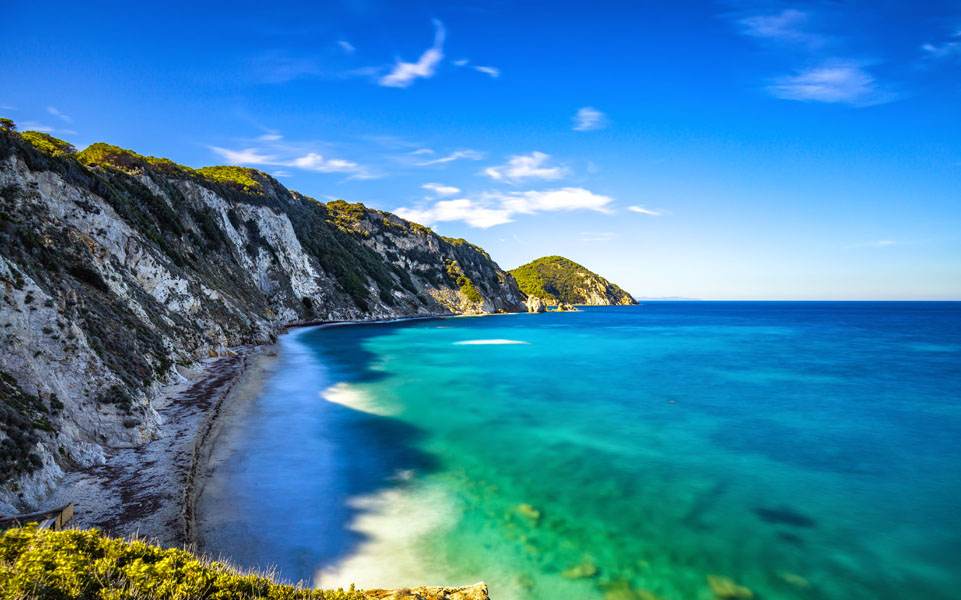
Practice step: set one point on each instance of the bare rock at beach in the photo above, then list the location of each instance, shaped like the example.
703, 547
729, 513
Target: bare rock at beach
535, 305
478, 591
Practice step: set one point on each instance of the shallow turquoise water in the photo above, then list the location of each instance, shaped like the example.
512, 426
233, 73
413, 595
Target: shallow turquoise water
804, 450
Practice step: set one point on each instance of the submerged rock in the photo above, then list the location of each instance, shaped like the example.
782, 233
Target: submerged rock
622, 590
529, 511
725, 588
582, 571
794, 579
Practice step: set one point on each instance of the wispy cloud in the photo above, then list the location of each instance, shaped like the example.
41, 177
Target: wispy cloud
595, 236
496, 208
441, 189
279, 67
644, 211
784, 27
492, 71
346, 46
845, 83
405, 73
949, 49
53, 111
589, 118
35, 126
458, 155
315, 162
826, 75
293, 156
523, 167
875, 244
248, 156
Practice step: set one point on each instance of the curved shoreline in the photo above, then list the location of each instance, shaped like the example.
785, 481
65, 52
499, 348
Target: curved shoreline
150, 491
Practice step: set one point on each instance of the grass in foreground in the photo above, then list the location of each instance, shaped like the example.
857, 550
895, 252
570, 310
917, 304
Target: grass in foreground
83, 564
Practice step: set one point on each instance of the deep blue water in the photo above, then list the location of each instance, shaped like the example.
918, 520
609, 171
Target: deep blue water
801, 449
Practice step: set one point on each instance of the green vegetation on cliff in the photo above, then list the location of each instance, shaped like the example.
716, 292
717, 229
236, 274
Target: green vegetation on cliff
557, 280
48, 144
73, 564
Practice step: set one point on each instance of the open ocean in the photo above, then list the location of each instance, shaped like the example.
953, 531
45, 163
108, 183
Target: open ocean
801, 449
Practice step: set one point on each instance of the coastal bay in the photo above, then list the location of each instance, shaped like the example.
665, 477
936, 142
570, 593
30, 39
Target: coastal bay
663, 451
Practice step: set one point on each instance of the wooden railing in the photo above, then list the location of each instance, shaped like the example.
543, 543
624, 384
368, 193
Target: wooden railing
54, 519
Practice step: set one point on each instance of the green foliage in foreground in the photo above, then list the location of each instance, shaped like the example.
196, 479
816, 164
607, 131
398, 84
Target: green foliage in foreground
83, 564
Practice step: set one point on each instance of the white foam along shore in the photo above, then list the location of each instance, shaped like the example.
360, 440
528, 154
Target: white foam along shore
491, 342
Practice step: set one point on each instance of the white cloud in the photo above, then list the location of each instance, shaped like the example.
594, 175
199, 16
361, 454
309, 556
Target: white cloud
423, 151
462, 62
311, 161
315, 162
346, 46
563, 199
595, 236
834, 83
467, 154
404, 73
270, 137
521, 167
492, 71
457, 210
53, 111
589, 118
644, 211
441, 189
249, 156
496, 208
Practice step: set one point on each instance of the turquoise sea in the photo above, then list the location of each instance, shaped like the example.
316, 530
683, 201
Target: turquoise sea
800, 449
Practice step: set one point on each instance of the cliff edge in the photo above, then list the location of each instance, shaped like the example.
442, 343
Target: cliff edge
118, 270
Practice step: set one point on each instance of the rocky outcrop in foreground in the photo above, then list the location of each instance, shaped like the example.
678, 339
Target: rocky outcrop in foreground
558, 281
478, 591
118, 270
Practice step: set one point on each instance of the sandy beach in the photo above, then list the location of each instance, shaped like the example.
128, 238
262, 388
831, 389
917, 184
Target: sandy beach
149, 491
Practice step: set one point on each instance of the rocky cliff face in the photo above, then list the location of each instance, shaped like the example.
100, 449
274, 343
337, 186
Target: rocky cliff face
557, 280
116, 270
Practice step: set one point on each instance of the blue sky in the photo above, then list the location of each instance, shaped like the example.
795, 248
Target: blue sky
720, 150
